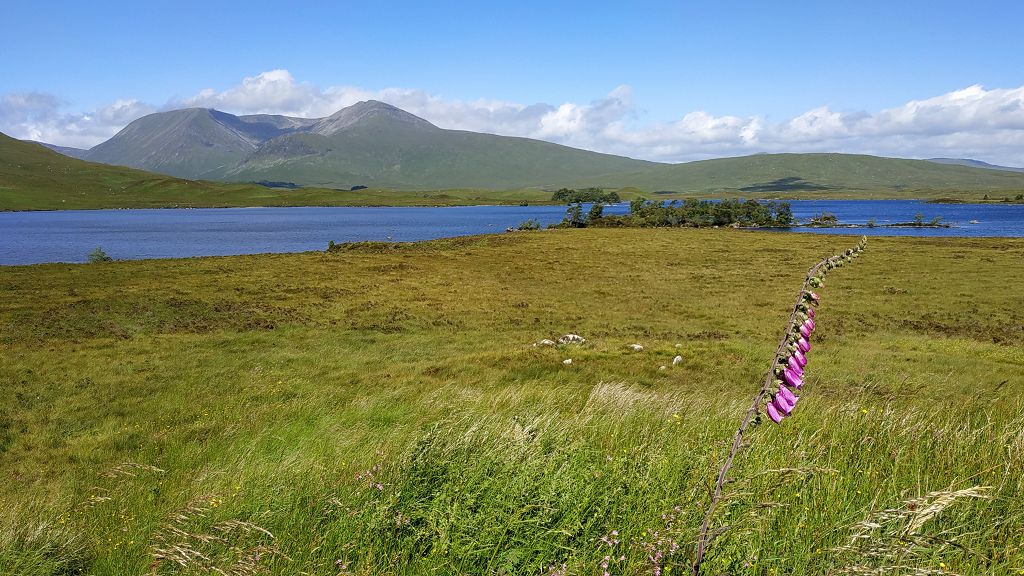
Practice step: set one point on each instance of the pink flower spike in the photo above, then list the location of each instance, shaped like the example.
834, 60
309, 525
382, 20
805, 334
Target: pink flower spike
781, 404
814, 296
803, 345
788, 395
773, 413
805, 331
810, 312
800, 358
791, 379
810, 323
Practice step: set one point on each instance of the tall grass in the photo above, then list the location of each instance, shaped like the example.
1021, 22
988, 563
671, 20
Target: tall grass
392, 416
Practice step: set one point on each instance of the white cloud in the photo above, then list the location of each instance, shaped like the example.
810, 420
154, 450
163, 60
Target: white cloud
972, 122
38, 116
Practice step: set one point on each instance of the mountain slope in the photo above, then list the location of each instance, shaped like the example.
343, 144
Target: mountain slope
65, 150
33, 177
973, 164
814, 174
383, 150
190, 143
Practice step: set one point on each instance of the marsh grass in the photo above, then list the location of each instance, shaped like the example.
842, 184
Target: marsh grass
382, 410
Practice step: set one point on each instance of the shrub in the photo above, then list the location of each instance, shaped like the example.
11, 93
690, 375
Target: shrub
98, 255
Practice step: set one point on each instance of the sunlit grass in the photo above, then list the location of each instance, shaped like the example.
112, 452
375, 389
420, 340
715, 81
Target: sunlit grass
383, 410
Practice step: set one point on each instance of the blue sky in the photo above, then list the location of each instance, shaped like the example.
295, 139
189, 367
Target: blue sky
773, 61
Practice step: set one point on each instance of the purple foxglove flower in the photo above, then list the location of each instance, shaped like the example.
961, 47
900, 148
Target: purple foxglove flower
810, 324
781, 404
800, 358
810, 312
814, 296
791, 378
794, 365
788, 395
805, 331
773, 413
803, 345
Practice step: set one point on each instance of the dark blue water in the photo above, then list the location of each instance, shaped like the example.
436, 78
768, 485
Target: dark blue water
68, 236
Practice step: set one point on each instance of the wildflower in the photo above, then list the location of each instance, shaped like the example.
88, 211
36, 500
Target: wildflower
805, 331
791, 379
803, 344
800, 358
794, 365
810, 324
782, 405
788, 395
810, 312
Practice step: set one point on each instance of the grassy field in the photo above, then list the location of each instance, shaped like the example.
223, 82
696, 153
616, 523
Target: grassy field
381, 409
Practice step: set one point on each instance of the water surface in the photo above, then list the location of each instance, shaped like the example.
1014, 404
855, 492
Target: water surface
69, 236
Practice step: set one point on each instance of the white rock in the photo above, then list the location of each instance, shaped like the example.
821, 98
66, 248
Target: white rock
677, 360
572, 339
567, 361
636, 348
545, 342
662, 367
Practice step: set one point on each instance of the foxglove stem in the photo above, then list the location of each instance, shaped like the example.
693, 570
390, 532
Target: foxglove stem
705, 536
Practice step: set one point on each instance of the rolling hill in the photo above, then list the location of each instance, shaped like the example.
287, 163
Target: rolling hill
817, 175
974, 164
33, 177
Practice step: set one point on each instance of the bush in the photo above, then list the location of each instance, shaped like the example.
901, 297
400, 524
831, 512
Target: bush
587, 195
98, 255
530, 224
824, 220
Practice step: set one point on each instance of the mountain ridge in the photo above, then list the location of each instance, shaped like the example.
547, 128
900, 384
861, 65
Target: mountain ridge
375, 144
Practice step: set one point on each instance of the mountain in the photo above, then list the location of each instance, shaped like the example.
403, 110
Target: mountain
973, 164
369, 143
776, 175
378, 145
34, 177
191, 143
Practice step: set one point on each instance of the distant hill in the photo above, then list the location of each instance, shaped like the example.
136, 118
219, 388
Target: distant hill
973, 164
65, 150
810, 175
34, 177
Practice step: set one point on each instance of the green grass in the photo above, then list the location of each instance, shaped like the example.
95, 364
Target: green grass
154, 403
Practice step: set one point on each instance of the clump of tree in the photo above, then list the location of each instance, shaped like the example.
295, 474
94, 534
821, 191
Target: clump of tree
689, 213
823, 220
586, 195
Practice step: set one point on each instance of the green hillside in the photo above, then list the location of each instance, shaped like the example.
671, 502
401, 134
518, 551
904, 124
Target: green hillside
33, 177
818, 175
382, 152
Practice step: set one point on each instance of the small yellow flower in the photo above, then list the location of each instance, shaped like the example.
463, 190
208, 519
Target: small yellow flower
864, 410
